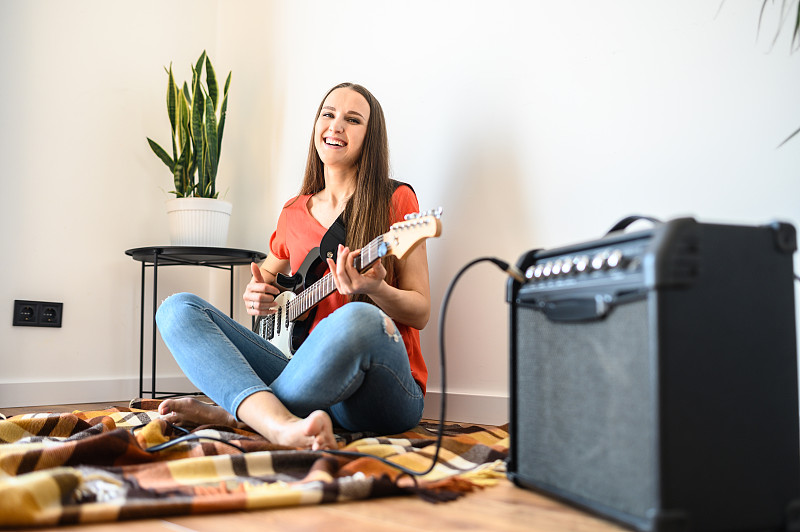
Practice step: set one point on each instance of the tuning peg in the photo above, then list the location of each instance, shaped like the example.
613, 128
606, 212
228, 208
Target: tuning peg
437, 213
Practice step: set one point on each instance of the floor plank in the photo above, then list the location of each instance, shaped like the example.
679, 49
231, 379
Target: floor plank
502, 508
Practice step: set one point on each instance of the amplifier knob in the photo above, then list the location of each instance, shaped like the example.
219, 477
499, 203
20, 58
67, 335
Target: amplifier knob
529, 272
557, 267
537, 271
614, 259
599, 260
581, 263
566, 266
548, 269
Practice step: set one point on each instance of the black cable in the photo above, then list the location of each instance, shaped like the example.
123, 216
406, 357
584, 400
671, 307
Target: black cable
509, 269
190, 437
187, 436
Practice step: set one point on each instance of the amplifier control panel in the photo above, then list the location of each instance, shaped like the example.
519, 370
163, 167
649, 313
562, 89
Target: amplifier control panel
560, 269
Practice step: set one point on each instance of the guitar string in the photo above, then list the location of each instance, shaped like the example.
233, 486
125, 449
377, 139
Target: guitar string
325, 286
316, 292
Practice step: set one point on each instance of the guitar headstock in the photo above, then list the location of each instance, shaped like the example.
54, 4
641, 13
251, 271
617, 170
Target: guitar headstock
404, 236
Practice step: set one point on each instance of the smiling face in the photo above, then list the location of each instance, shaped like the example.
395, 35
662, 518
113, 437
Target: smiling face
341, 128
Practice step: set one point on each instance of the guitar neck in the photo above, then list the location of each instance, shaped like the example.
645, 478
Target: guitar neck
308, 298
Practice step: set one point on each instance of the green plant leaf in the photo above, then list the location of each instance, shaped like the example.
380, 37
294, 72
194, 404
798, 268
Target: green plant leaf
784, 13
171, 98
211, 144
202, 171
186, 177
161, 153
198, 108
211, 83
198, 67
177, 178
223, 111
183, 115
198, 133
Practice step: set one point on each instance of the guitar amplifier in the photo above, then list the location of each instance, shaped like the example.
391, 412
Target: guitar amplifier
654, 377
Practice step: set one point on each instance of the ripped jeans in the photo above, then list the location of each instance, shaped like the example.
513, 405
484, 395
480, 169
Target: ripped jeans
353, 365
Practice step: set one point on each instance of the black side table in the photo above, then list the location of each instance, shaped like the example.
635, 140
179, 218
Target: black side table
155, 257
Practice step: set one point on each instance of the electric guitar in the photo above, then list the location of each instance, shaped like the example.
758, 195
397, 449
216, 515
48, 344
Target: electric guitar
288, 326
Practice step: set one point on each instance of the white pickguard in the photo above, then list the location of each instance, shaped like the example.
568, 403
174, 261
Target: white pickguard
275, 330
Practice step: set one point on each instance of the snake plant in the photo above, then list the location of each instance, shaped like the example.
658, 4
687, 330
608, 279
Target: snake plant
197, 119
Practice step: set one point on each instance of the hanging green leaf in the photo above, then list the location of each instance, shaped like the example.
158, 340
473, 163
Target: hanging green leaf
795, 42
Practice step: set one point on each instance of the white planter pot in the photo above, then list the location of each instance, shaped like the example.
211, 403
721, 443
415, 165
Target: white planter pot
199, 222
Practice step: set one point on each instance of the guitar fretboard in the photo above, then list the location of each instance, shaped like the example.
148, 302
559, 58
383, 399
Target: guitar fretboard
318, 291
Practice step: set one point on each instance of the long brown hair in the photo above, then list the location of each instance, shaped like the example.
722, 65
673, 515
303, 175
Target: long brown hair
368, 212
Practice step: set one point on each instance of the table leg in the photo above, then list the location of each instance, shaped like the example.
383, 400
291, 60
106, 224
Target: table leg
155, 328
231, 292
141, 337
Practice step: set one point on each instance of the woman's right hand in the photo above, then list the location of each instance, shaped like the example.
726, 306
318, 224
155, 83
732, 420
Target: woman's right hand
259, 296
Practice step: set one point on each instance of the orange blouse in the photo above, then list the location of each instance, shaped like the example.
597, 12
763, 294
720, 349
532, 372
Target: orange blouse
298, 232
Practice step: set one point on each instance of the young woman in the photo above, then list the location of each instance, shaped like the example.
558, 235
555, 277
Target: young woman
361, 366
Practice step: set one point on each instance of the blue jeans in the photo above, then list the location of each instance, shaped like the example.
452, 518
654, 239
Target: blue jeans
349, 365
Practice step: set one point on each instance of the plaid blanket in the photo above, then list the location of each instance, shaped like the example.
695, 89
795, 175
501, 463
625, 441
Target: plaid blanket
84, 467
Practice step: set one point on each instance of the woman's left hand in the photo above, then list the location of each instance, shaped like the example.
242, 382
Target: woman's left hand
348, 280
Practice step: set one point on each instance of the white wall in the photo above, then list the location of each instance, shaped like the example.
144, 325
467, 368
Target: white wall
534, 124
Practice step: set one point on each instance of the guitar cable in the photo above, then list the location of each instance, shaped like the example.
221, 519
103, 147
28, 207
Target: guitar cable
506, 267
510, 270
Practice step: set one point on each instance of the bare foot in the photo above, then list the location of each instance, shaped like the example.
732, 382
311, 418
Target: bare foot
187, 411
270, 418
263, 413
314, 432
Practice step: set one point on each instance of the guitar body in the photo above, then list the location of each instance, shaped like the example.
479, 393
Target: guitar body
285, 334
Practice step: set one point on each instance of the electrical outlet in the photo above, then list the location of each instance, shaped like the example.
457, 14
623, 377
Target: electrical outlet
37, 313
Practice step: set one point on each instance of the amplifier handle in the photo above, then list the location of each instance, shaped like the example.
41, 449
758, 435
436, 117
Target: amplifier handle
628, 220
576, 309
588, 308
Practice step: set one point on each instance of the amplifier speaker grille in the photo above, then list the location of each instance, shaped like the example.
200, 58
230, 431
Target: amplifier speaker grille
589, 440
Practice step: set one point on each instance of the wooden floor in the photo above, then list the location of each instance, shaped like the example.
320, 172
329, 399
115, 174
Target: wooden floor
498, 509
